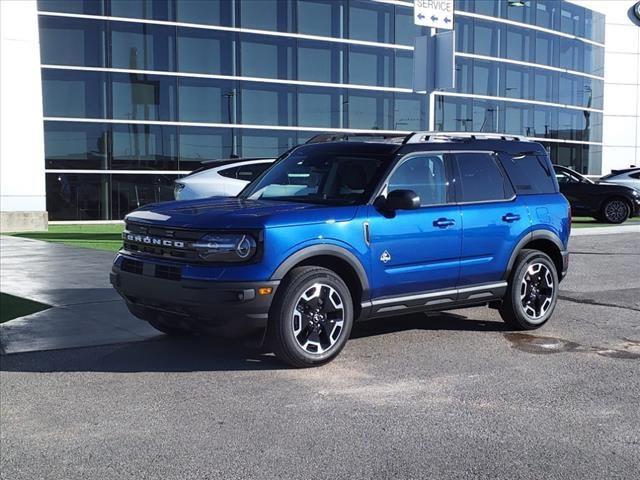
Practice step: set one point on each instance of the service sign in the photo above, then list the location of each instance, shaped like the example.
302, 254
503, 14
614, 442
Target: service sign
433, 13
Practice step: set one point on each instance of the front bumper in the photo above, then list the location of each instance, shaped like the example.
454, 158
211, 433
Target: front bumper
232, 308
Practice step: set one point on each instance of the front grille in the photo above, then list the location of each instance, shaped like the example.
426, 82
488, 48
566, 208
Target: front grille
162, 242
165, 272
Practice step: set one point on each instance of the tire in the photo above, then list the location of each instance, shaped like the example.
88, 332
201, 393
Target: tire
532, 293
168, 329
615, 210
311, 317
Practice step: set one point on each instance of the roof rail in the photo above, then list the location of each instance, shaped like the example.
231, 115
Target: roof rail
346, 136
433, 136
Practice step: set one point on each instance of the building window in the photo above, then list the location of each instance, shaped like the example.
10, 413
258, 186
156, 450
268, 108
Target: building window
205, 51
144, 147
148, 9
266, 57
205, 100
370, 66
370, 21
143, 97
274, 15
321, 17
69, 93
72, 41
76, 145
142, 46
210, 12
199, 144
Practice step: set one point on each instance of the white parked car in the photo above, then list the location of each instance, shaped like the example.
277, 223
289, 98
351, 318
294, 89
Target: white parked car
629, 177
220, 178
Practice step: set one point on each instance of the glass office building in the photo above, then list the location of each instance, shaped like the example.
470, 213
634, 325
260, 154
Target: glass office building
139, 92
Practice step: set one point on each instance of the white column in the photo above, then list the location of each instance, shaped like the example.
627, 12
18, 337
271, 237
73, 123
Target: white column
621, 119
22, 179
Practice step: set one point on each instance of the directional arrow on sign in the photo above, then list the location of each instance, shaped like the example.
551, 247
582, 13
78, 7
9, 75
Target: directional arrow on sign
447, 20
420, 16
434, 18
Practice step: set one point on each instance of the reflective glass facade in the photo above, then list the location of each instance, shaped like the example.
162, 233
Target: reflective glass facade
138, 92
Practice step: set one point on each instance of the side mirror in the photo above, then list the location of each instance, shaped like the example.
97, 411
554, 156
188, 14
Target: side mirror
402, 200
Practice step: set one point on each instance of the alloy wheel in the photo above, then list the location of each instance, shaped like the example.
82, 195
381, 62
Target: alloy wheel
616, 211
318, 318
536, 291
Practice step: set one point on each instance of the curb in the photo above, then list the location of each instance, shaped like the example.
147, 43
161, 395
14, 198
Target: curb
580, 232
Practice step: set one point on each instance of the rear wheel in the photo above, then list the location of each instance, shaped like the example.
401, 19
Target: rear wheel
615, 210
311, 318
532, 292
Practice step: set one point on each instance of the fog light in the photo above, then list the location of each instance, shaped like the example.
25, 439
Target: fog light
265, 291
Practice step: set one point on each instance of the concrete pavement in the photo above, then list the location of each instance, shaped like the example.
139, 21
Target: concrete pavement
75, 282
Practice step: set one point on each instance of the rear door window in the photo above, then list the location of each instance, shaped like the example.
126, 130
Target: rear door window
530, 174
481, 179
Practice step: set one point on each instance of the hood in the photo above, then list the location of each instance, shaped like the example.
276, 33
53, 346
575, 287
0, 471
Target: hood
231, 213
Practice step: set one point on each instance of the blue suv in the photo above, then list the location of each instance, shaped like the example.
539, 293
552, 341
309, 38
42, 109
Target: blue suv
341, 231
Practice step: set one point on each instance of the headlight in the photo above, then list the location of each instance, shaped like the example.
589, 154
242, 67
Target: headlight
226, 247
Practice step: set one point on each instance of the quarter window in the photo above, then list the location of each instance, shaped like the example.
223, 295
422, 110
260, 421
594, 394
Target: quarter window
425, 175
481, 180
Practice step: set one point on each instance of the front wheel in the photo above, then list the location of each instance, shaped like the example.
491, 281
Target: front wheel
615, 210
311, 318
532, 292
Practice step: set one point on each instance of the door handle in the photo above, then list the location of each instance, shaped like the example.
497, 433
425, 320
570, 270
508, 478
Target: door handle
510, 217
444, 222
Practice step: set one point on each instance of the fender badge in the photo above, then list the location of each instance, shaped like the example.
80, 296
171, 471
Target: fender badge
385, 257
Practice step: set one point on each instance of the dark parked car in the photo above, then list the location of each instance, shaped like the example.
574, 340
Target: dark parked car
603, 201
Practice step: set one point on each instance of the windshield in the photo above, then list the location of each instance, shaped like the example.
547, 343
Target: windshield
318, 177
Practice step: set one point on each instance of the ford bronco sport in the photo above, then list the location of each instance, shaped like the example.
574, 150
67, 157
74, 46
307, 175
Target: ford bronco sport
340, 231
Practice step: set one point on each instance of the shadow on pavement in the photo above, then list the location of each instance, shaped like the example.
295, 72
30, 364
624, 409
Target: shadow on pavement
210, 354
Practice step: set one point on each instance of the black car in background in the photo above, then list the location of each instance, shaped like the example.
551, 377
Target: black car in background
603, 201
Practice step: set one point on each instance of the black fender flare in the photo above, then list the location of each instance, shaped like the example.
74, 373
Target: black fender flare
529, 237
328, 250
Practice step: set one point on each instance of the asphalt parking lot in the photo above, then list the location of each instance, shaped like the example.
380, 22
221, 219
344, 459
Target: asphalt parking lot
454, 395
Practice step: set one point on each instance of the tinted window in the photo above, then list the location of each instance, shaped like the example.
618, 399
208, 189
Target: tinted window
481, 179
142, 46
635, 175
73, 94
425, 175
151, 9
143, 97
229, 172
88, 7
214, 12
204, 51
530, 174
245, 172
76, 145
320, 17
72, 41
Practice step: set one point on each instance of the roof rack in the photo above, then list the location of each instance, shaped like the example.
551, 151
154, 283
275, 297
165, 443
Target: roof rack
345, 137
417, 137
